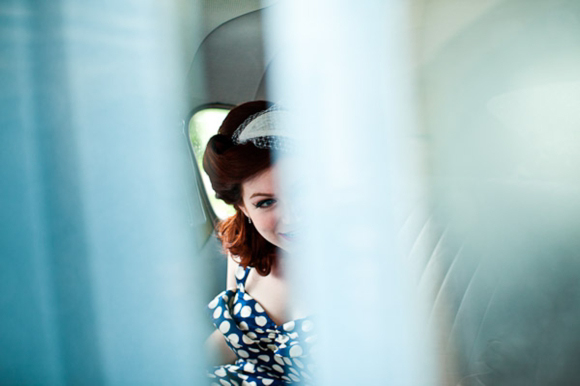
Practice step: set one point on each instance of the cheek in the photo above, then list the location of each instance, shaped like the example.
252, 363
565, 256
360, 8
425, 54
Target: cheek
266, 222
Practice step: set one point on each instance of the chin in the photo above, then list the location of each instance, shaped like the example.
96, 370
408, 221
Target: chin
286, 247
280, 244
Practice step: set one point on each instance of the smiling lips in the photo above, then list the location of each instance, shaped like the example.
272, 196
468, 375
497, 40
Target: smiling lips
288, 236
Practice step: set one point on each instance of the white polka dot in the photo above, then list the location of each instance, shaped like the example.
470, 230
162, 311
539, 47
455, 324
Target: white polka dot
252, 335
235, 383
264, 358
247, 297
261, 321
266, 340
245, 383
227, 314
225, 383
247, 340
246, 311
307, 325
292, 369
259, 331
244, 326
225, 326
237, 308
214, 302
226, 298
256, 350
267, 382
295, 351
288, 361
217, 313
310, 339
285, 378
294, 377
272, 347
278, 368
293, 335
234, 339
258, 308
221, 372
243, 353
278, 359
243, 376
289, 326
240, 272
298, 363
249, 367
282, 338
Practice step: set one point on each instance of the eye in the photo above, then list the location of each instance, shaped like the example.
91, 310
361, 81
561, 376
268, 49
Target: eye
265, 203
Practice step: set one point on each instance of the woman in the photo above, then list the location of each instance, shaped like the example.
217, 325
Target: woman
262, 339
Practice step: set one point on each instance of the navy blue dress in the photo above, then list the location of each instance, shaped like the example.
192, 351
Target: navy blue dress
267, 354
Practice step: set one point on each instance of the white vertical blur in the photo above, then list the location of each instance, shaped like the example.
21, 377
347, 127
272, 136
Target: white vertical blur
345, 75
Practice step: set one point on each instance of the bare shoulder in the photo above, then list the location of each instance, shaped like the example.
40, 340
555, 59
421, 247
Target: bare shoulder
233, 264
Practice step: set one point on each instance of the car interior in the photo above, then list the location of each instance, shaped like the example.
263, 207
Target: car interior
109, 253
504, 305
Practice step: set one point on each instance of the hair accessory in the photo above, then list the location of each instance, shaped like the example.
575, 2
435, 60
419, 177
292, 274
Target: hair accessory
266, 130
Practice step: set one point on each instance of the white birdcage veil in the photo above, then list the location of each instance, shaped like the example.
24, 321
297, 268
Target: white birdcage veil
267, 129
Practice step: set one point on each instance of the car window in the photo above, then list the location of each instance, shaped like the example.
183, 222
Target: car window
202, 126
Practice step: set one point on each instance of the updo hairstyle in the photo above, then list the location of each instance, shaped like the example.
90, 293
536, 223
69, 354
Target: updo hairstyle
228, 166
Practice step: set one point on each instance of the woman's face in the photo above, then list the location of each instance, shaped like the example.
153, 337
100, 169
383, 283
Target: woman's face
269, 213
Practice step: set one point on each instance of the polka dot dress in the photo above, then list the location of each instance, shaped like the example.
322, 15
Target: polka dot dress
268, 354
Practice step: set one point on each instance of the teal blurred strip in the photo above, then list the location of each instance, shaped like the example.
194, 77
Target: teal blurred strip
101, 272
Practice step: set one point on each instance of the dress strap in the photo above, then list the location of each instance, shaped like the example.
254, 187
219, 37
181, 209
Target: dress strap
241, 276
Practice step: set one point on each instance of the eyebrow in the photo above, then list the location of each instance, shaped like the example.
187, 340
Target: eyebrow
261, 194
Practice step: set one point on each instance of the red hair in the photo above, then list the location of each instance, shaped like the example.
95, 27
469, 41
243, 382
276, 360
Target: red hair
228, 166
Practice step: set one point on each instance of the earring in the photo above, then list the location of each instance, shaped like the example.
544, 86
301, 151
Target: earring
249, 220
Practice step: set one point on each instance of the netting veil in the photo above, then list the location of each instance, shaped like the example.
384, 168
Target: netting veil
266, 130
